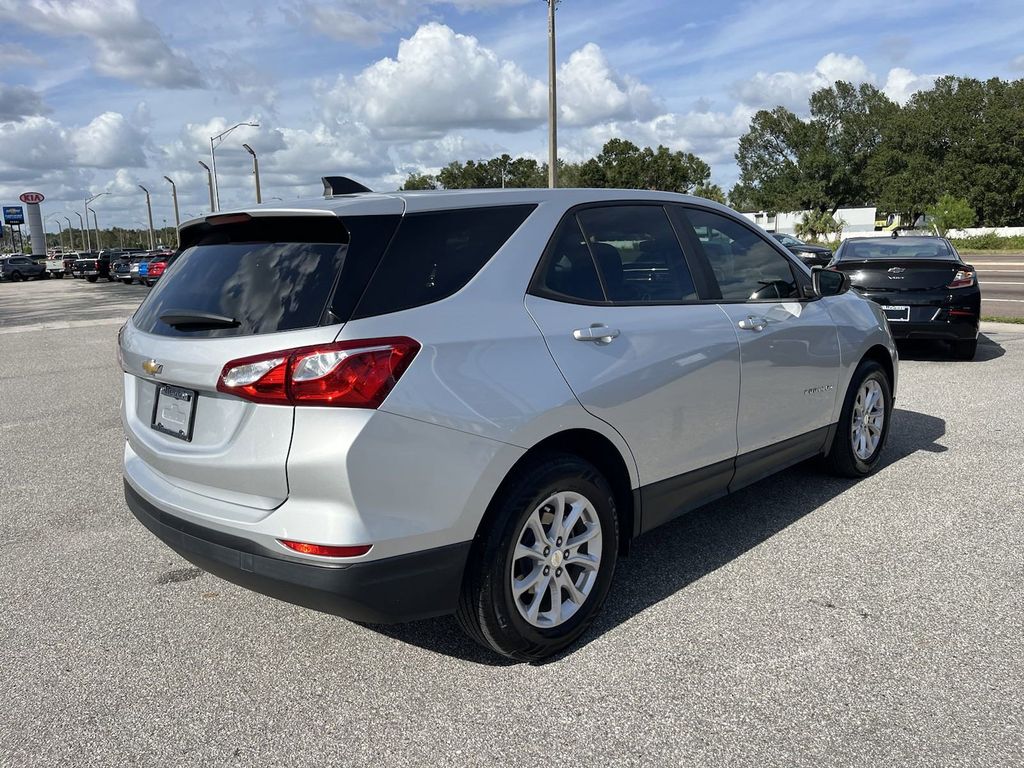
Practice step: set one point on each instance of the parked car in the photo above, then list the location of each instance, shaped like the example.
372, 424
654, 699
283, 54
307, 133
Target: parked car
15, 268
55, 265
156, 265
397, 406
811, 255
922, 285
92, 266
69, 260
122, 265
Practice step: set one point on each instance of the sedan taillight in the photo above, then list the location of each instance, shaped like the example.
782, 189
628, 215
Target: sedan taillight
345, 374
964, 278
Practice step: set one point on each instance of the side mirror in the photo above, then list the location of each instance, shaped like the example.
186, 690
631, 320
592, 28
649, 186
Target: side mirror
829, 282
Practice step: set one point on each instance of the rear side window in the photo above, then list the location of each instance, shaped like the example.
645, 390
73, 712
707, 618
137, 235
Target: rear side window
434, 254
570, 273
268, 275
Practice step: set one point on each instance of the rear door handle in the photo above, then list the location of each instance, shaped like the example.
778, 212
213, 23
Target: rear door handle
753, 323
597, 333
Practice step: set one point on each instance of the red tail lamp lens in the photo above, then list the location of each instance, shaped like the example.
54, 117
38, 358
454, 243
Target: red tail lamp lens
325, 551
347, 374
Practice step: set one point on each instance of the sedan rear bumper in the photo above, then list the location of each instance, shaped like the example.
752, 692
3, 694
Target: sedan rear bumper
390, 590
949, 330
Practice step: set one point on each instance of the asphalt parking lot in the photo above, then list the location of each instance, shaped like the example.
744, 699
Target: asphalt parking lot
805, 621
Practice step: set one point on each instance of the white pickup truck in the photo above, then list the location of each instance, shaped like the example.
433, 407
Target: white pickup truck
55, 265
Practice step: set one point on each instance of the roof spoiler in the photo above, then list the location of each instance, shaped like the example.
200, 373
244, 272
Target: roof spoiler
342, 185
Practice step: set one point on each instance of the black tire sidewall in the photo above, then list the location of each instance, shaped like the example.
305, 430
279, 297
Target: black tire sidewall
865, 371
506, 628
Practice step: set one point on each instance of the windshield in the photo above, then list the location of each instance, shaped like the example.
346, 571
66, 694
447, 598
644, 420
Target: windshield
896, 249
787, 240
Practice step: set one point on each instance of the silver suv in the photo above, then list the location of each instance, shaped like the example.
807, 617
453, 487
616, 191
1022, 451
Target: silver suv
395, 406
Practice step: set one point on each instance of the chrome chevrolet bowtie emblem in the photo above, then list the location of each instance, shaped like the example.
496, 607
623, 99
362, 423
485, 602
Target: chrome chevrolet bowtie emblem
897, 270
152, 367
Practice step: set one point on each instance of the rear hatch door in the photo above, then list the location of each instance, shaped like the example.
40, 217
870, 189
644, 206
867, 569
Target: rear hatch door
238, 289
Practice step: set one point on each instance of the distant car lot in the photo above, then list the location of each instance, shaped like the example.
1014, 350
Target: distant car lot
873, 623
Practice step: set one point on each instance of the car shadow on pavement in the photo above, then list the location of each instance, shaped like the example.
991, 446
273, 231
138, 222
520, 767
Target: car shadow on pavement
938, 351
695, 545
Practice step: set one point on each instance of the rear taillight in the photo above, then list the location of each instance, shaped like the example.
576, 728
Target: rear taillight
345, 374
964, 278
157, 268
326, 551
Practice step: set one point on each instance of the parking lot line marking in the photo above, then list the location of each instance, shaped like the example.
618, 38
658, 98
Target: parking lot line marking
62, 325
1015, 301
1000, 282
997, 263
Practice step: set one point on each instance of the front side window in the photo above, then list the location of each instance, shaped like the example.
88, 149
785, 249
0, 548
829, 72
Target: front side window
745, 265
637, 253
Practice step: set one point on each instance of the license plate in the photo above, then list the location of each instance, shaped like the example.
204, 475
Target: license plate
897, 314
175, 411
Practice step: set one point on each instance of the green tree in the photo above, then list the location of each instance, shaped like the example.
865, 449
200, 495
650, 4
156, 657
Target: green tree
420, 181
816, 224
951, 212
711, 192
621, 164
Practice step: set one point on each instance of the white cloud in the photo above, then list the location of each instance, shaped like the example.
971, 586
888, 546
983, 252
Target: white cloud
1018, 63
590, 91
35, 143
127, 45
901, 84
441, 80
109, 141
18, 102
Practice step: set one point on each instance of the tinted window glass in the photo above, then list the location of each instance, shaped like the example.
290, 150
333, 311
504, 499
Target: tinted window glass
569, 271
251, 272
638, 254
894, 248
435, 254
746, 266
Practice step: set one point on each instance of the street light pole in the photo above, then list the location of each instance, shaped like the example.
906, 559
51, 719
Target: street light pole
85, 235
214, 141
209, 181
71, 233
88, 240
255, 170
552, 100
87, 209
177, 219
149, 210
96, 225
60, 229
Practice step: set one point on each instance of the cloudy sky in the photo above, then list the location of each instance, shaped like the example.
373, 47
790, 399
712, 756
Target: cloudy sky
101, 95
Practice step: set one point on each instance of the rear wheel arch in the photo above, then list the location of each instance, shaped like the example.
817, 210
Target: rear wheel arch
592, 447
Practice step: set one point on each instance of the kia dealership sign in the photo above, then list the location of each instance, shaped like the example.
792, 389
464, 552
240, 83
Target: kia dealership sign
32, 197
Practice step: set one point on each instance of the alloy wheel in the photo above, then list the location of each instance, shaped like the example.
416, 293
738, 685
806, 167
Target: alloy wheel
556, 559
868, 419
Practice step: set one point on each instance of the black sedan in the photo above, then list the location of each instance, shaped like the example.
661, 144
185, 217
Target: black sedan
811, 255
925, 289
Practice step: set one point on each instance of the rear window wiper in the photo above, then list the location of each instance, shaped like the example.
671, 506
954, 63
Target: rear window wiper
179, 318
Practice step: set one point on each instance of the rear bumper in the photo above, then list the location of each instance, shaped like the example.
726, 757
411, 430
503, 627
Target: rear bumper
940, 329
395, 589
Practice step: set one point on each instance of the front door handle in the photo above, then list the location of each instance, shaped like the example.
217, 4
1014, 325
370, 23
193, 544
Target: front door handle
753, 323
597, 333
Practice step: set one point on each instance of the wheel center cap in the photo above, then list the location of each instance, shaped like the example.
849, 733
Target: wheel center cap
556, 558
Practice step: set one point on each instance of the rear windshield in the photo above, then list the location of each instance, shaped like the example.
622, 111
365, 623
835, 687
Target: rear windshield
253, 272
895, 249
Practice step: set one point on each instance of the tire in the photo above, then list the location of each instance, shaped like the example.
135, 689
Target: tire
488, 610
59, 275
964, 349
847, 457
92, 278
15, 277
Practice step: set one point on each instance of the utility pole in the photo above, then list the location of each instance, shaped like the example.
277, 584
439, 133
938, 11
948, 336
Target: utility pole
177, 219
96, 225
149, 210
88, 240
552, 100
